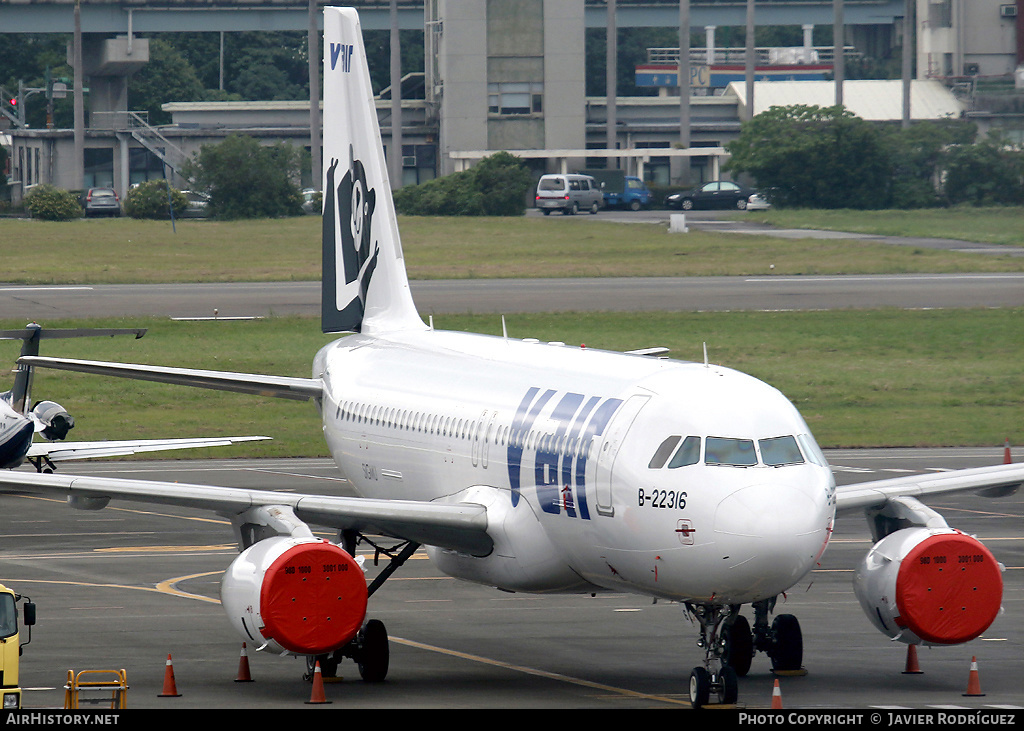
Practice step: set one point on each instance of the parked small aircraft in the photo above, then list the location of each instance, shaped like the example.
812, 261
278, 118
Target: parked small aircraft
19, 424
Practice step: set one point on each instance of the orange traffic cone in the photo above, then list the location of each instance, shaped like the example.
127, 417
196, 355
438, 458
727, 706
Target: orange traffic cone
318, 687
912, 668
243, 668
973, 682
1007, 459
776, 696
170, 688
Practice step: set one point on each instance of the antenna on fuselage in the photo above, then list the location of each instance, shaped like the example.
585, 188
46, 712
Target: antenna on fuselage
705, 355
504, 329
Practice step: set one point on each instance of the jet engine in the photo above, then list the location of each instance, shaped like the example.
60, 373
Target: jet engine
302, 596
930, 586
51, 420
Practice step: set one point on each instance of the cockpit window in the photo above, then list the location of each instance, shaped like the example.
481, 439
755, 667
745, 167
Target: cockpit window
733, 452
780, 451
689, 453
663, 453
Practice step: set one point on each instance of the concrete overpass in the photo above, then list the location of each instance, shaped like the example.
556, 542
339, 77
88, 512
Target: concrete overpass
140, 16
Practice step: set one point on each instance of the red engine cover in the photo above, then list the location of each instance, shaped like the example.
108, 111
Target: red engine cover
949, 589
313, 599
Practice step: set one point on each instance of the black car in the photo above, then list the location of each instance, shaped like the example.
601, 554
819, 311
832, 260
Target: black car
716, 194
102, 202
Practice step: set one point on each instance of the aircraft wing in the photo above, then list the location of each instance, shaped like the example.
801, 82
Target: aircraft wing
995, 481
461, 527
300, 389
63, 451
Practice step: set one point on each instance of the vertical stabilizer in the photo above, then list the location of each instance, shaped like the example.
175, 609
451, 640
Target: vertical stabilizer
365, 287
20, 395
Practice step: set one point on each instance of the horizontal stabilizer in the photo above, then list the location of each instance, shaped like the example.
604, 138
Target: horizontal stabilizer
64, 451
299, 389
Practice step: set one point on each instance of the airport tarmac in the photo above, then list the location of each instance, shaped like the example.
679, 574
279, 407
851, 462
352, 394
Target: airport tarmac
125, 587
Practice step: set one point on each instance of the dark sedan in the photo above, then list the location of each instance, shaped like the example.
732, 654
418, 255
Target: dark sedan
716, 194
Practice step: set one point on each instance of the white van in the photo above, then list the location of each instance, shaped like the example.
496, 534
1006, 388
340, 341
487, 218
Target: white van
569, 193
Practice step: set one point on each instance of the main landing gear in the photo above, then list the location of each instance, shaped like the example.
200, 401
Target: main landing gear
730, 645
369, 648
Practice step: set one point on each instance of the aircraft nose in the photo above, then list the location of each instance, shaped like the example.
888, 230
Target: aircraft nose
769, 531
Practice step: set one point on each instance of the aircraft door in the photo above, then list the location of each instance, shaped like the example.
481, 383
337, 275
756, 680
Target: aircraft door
609, 450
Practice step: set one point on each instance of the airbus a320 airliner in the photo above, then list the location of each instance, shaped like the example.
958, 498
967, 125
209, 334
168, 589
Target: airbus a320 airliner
539, 467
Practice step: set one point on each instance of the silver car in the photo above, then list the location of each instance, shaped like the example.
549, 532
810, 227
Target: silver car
569, 194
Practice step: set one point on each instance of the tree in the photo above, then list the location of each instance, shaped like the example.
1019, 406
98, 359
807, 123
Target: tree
989, 172
168, 77
816, 157
917, 155
151, 200
246, 179
496, 186
50, 203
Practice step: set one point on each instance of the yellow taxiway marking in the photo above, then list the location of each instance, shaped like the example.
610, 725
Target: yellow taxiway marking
543, 673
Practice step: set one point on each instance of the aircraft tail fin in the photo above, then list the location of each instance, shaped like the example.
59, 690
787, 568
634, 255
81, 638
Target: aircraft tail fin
365, 287
30, 335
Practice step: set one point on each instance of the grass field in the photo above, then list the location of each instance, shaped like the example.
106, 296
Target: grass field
860, 378
129, 251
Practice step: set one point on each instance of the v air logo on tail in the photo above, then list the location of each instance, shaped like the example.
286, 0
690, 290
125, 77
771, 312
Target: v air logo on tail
343, 52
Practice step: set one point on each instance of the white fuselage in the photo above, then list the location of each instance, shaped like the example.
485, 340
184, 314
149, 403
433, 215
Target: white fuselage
598, 469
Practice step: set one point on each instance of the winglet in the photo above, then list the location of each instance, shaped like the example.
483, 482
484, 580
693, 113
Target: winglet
365, 287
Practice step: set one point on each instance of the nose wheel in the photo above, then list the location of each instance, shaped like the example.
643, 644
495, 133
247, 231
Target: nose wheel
723, 686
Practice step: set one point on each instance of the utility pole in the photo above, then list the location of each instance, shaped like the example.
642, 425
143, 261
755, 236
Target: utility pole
909, 26
396, 100
684, 87
749, 59
611, 81
838, 49
313, 44
78, 164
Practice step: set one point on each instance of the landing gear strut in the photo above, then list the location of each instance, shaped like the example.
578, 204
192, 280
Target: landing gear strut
729, 645
716, 676
369, 648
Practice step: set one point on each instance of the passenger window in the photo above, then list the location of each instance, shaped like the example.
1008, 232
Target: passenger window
780, 451
664, 451
687, 455
731, 452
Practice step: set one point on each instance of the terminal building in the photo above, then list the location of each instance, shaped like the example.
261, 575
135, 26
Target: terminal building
510, 75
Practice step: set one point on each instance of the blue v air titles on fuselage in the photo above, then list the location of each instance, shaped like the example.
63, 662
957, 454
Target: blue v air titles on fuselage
560, 461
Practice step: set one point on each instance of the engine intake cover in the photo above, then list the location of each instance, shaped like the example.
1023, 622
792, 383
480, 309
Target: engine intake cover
305, 596
939, 587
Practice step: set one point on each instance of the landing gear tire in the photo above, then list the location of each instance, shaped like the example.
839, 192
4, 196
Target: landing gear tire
787, 652
373, 655
700, 687
739, 648
729, 692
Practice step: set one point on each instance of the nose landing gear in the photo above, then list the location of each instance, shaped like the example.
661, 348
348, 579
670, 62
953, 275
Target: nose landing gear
730, 644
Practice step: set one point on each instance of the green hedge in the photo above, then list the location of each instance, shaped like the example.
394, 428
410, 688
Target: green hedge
50, 203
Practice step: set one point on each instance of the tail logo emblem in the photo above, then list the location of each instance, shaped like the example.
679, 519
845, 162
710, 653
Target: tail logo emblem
342, 52
353, 263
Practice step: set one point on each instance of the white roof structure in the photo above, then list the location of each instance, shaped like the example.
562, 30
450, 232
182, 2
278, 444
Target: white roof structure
873, 100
